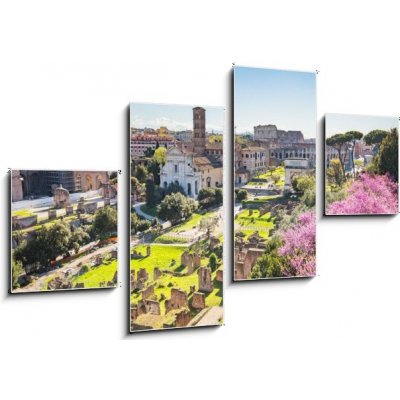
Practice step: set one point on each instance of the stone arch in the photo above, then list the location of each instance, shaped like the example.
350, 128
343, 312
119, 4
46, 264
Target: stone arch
98, 181
89, 182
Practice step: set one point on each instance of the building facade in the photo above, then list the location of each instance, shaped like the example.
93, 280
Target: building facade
179, 169
143, 141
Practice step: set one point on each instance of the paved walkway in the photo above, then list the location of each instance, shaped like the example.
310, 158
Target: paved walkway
73, 265
143, 214
211, 317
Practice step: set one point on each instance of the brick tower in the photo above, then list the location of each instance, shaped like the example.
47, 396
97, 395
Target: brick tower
199, 130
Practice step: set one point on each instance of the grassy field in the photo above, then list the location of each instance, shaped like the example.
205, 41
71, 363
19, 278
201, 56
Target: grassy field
261, 199
254, 223
161, 257
170, 239
192, 222
268, 175
102, 273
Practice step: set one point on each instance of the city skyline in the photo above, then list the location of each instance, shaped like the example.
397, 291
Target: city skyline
342, 123
173, 117
286, 99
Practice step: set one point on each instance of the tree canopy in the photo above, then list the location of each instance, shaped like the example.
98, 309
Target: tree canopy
176, 207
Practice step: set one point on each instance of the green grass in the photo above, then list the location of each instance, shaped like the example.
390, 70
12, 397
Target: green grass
255, 223
22, 213
268, 175
97, 274
149, 210
161, 257
169, 239
192, 222
261, 199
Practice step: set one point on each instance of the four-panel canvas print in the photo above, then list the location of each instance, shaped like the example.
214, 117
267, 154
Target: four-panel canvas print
274, 173
361, 165
64, 223
63, 230
176, 263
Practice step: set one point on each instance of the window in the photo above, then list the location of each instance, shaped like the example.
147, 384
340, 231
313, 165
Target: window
196, 189
189, 189
176, 168
208, 182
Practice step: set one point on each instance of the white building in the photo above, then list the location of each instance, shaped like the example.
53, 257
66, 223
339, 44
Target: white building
179, 168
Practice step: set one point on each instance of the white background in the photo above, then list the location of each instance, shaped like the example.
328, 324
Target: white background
67, 73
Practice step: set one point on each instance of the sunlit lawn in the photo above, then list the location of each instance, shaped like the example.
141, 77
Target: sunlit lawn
161, 257
192, 222
97, 274
254, 223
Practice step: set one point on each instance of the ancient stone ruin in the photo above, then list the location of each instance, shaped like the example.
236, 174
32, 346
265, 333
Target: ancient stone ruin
178, 299
219, 275
214, 242
205, 284
61, 197
182, 319
52, 214
58, 283
69, 210
148, 292
153, 307
156, 273
198, 300
245, 260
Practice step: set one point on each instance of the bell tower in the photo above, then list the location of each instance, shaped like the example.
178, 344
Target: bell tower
199, 130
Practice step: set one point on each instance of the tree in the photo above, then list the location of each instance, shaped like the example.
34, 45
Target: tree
301, 183
334, 172
175, 187
269, 265
298, 248
78, 238
160, 156
47, 244
17, 270
241, 195
388, 155
141, 173
105, 222
370, 194
209, 197
176, 207
153, 193
154, 169
338, 142
276, 178
136, 187
213, 262
375, 137
353, 137
149, 152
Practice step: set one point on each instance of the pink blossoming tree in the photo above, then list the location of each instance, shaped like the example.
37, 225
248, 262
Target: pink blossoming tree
370, 194
299, 247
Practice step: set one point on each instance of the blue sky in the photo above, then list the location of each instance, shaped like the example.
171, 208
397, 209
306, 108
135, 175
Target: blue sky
174, 117
286, 99
341, 123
